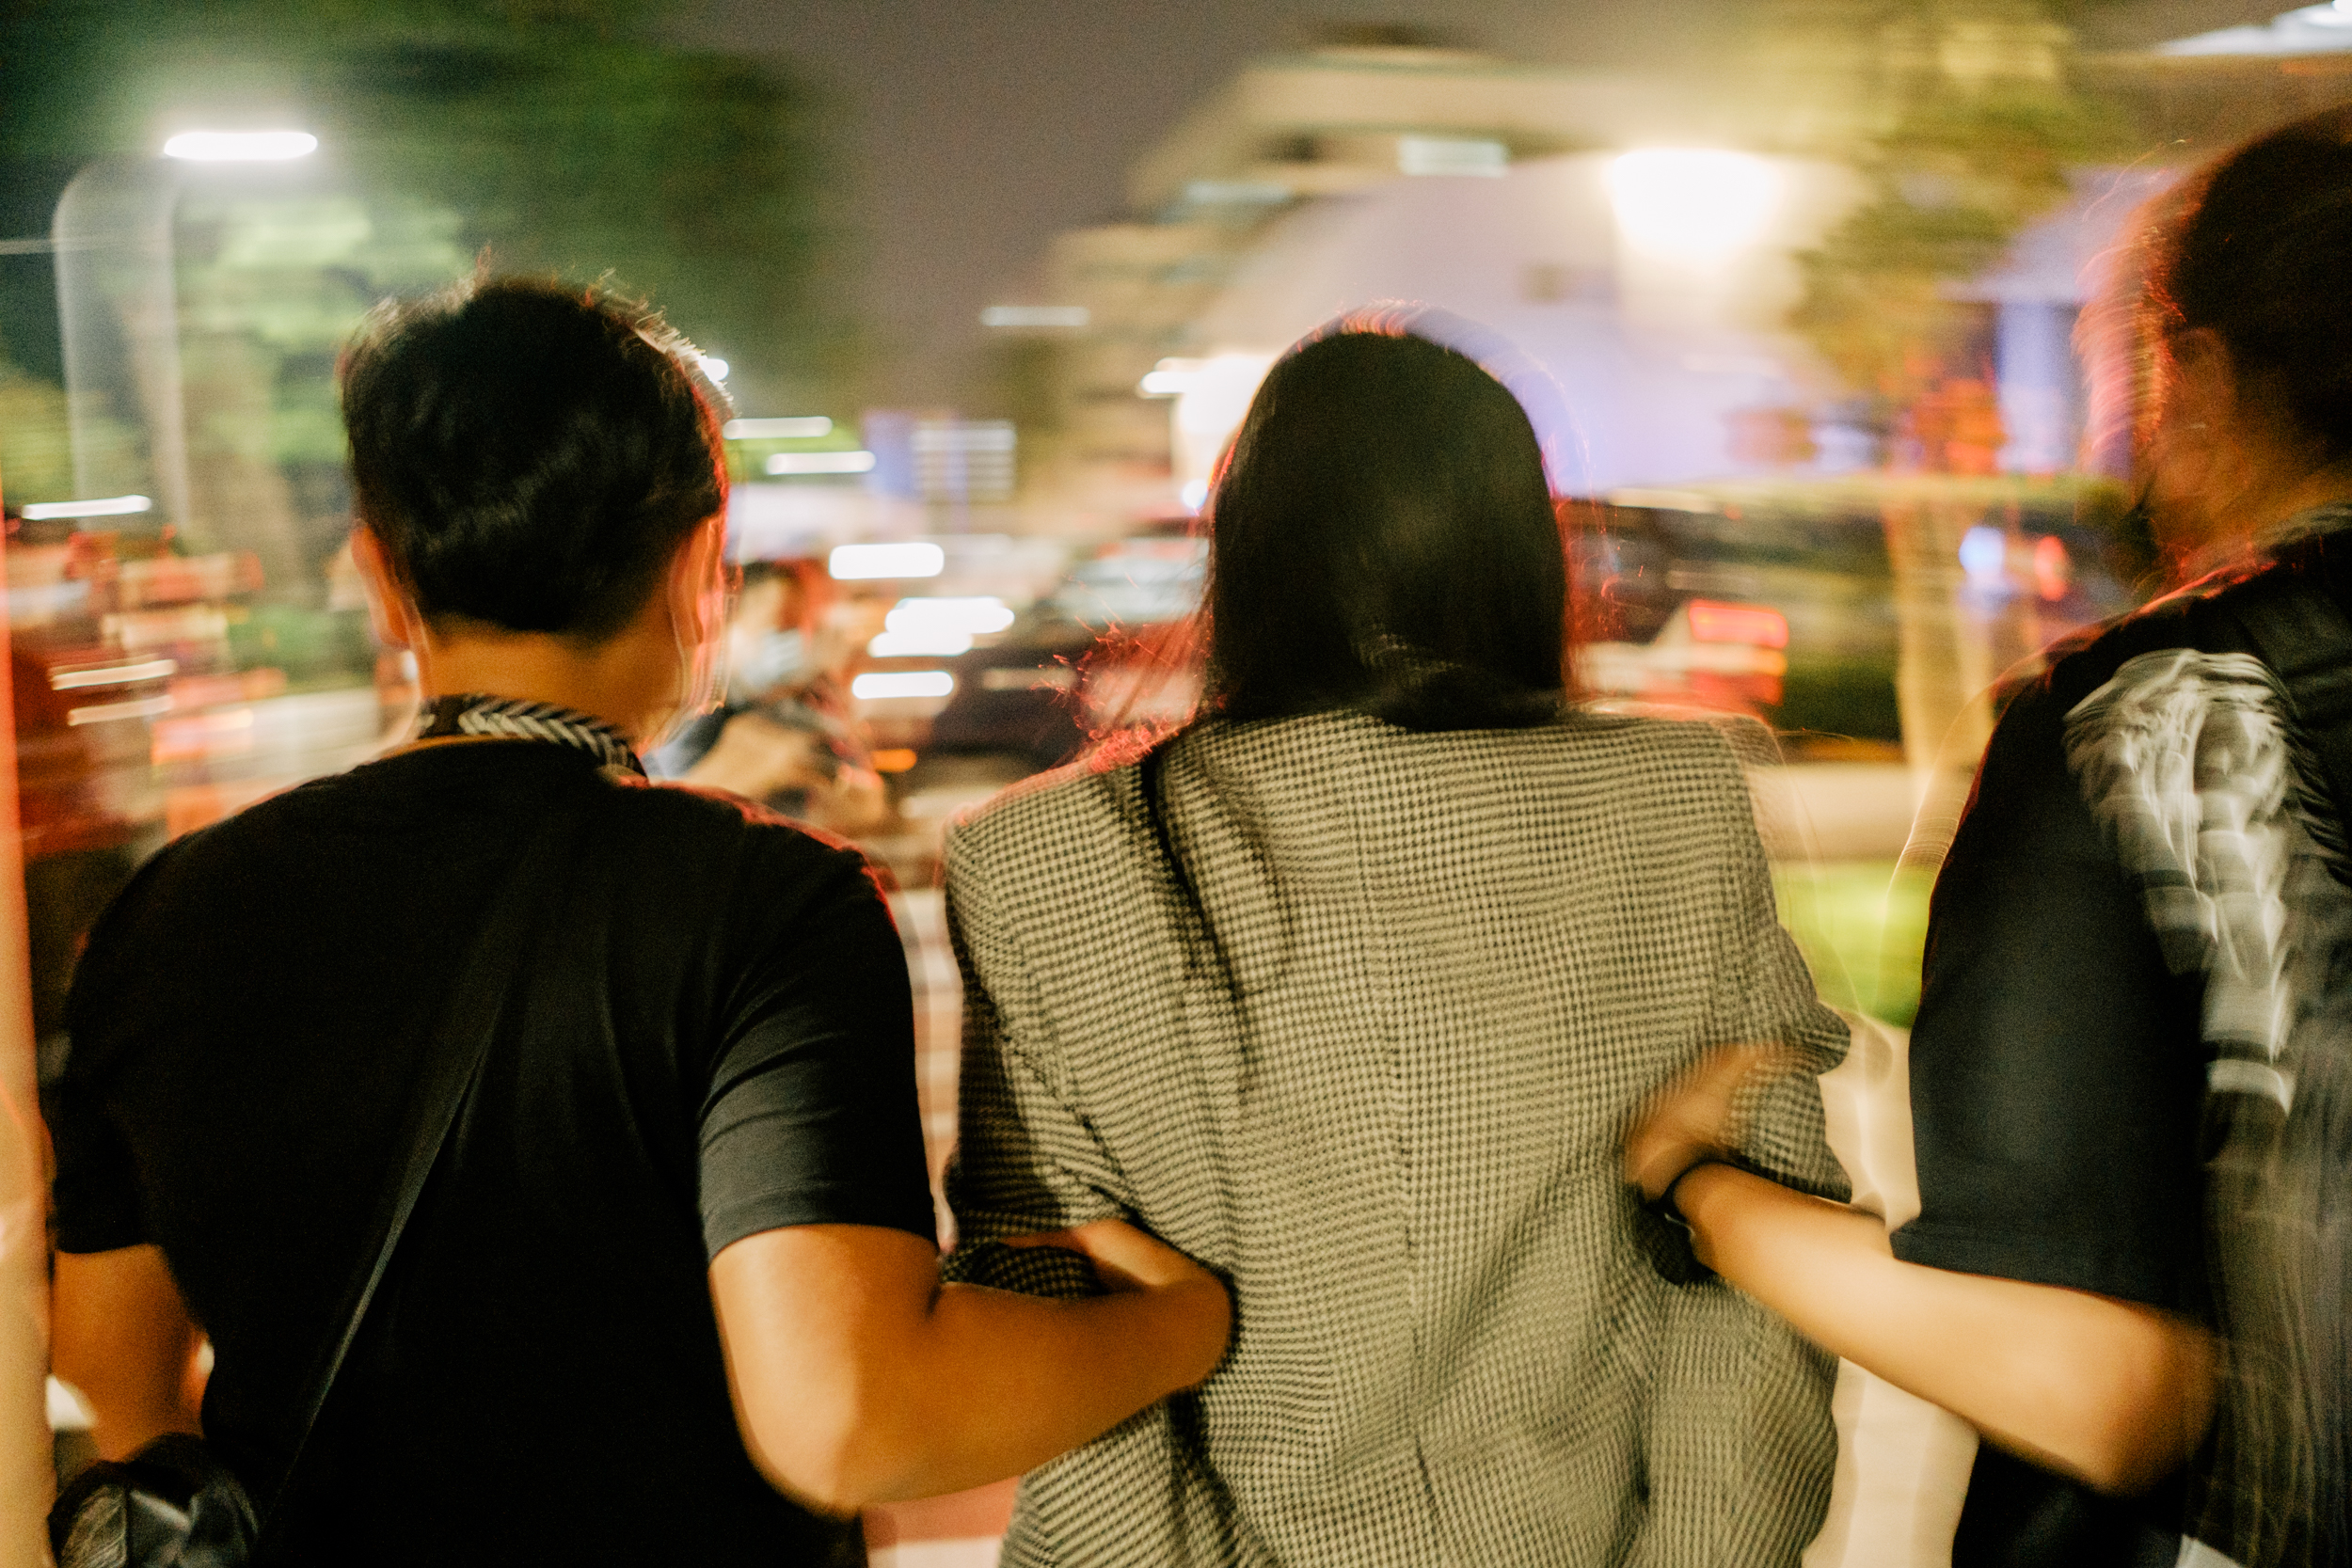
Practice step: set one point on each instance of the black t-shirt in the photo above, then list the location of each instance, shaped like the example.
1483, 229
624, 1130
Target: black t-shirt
714, 1038
2057, 1067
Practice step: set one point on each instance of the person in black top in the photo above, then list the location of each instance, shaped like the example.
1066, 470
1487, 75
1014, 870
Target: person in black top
2131, 1076
672, 1293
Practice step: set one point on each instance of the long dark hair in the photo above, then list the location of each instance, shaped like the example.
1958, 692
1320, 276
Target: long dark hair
1383, 539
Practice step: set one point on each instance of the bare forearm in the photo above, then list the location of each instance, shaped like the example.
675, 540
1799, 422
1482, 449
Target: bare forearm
1005, 1382
2112, 1393
858, 1377
121, 1337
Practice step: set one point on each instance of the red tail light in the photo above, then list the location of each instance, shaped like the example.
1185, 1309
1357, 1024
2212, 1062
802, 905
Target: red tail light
1757, 626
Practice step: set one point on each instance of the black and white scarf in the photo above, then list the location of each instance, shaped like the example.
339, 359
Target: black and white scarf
513, 719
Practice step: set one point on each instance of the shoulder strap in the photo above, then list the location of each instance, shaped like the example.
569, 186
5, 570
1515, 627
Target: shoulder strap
2303, 635
452, 1062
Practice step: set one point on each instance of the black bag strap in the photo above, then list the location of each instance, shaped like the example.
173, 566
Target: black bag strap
2303, 635
452, 1063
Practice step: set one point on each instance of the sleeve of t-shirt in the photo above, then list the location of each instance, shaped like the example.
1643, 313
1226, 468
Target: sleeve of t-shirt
2056, 1071
95, 1193
811, 1117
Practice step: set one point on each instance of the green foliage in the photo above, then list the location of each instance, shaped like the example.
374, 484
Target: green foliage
1986, 125
36, 461
552, 134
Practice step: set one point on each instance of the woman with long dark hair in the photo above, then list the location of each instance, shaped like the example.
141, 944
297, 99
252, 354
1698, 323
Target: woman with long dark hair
1346, 988
2131, 1067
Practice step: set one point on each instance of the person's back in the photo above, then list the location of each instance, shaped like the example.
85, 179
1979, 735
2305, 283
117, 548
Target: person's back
1384, 1100
1347, 987
669, 1286
267, 989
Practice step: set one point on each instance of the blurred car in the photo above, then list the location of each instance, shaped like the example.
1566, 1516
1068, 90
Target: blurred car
1088, 656
1780, 599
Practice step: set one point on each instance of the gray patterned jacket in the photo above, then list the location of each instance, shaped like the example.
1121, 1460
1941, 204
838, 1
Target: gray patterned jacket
1369, 1059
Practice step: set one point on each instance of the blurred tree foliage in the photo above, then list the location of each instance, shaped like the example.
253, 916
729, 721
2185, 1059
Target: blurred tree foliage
560, 135
1967, 119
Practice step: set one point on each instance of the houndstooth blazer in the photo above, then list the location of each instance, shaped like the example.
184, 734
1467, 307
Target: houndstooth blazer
1354, 1015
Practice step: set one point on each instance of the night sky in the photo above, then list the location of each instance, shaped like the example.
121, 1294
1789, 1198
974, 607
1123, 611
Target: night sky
972, 131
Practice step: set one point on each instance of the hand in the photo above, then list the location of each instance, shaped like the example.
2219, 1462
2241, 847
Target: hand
1691, 1119
1125, 1260
757, 758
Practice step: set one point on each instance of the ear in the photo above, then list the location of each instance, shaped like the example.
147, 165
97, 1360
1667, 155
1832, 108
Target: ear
390, 615
698, 580
2201, 393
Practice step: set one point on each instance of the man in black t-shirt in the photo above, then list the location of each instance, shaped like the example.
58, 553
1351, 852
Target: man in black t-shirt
672, 1293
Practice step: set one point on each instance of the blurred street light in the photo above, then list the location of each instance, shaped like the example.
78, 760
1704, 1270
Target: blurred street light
855, 562
108, 506
118, 309
807, 427
1063, 316
1689, 206
820, 463
241, 147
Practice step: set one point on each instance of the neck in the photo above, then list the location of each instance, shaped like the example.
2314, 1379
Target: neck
627, 685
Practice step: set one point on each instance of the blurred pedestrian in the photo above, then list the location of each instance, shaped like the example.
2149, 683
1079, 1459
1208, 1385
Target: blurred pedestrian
1347, 987
2132, 1069
693, 1068
783, 733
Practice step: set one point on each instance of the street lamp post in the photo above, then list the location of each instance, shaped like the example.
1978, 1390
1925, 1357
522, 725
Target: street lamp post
118, 312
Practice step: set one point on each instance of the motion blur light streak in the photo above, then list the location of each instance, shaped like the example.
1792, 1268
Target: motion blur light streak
907, 683
923, 644
820, 463
852, 562
980, 614
110, 506
240, 147
801, 427
1692, 206
1426, 155
1169, 379
113, 675
99, 713
1755, 624
1036, 315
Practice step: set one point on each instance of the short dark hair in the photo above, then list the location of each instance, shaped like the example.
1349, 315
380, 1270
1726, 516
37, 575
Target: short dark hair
530, 456
1383, 538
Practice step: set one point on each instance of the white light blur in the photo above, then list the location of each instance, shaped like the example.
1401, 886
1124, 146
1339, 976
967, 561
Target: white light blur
1036, 315
902, 683
917, 560
713, 366
104, 713
108, 506
113, 675
978, 613
1193, 493
800, 428
820, 463
926, 643
1692, 206
241, 147
1452, 155
1169, 379
1984, 556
